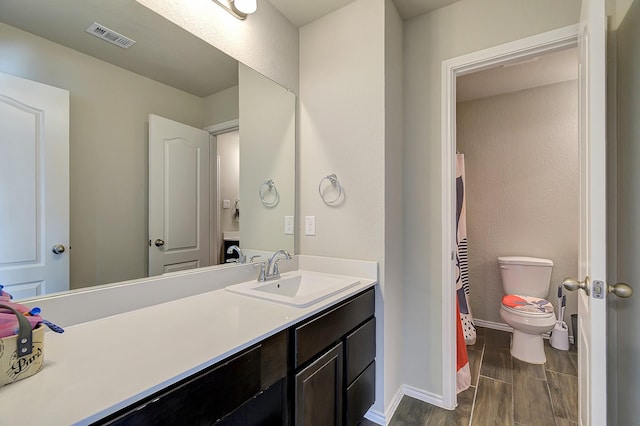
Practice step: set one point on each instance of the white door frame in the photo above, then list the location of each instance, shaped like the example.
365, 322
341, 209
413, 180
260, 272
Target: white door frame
559, 39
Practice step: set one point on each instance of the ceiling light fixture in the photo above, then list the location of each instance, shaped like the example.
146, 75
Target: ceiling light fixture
238, 8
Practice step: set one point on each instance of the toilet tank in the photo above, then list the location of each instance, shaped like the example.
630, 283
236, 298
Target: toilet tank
526, 276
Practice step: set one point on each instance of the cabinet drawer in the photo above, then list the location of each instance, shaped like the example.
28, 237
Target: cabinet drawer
361, 395
319, 333
202, 399
361, 349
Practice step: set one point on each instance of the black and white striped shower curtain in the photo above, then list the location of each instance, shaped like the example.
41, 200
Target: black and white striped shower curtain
462, 255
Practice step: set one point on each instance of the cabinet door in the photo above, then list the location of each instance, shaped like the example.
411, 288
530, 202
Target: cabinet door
319, 389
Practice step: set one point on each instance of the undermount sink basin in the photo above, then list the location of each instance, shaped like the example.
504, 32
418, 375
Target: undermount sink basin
298, 288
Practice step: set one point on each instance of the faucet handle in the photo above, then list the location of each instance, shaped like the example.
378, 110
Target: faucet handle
276, 272
262, 275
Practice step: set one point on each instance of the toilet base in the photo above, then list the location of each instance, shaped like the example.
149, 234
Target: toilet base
528, 347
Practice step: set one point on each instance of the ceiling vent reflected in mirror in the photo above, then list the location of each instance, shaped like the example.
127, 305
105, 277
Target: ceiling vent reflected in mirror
109, 35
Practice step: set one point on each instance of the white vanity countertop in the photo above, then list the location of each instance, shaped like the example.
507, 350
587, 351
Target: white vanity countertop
98, 367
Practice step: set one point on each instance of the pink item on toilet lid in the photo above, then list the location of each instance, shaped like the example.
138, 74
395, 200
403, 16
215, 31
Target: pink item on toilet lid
527, 303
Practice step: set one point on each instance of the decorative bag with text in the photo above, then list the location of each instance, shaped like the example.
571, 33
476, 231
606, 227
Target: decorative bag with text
22, 354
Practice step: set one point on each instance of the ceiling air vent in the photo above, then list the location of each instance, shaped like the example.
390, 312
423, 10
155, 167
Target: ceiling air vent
109, 35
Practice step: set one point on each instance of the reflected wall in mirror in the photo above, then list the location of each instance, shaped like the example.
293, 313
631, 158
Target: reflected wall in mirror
112, 91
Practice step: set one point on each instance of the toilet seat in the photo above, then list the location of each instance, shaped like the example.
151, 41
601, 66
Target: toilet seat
532, 315
527, 305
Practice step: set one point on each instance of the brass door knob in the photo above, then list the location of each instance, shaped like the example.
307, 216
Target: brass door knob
572, 284
620, 289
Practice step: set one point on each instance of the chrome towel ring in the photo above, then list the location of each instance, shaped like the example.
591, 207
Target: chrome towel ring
267, 187
333, 183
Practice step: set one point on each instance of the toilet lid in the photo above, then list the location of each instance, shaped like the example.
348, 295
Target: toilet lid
528, 304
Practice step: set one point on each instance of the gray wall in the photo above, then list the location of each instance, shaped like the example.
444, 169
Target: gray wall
267, 151
463, 27
393, 206
628, 183
347, 113
221, 106
522, 186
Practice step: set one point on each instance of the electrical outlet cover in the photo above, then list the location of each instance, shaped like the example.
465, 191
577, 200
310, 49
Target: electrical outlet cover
310, 225
288, 225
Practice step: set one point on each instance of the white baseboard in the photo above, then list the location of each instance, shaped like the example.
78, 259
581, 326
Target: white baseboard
385, 418
504, 327
413, 392
492, 325
424, 396
376, 417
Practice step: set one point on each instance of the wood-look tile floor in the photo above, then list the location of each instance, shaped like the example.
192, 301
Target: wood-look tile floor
505, 391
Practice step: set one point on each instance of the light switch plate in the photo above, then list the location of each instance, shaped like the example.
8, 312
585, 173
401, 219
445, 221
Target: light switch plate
309, 225
288, 225
226, 204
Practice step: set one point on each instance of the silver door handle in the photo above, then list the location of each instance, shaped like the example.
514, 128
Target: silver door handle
159, 242
620, 289
58, 249
572, 284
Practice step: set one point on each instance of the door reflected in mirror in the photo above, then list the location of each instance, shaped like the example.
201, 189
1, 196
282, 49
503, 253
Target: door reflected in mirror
112, 91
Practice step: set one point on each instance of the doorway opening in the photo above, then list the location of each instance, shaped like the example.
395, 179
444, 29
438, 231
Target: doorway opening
225, 189
499, 56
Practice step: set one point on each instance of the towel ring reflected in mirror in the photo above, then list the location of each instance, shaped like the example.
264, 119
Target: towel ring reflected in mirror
332, 179
269, 193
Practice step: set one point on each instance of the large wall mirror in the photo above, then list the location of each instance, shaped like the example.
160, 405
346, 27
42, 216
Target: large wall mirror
237, 187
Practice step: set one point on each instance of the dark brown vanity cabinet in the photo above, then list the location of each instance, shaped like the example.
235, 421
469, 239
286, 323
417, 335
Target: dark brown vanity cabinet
320, 371
249, 388
334, 363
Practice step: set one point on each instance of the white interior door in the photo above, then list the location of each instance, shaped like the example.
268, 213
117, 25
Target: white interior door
178, 196
34, 187
592, 374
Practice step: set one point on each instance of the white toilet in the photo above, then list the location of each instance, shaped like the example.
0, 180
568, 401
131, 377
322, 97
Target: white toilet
525, 281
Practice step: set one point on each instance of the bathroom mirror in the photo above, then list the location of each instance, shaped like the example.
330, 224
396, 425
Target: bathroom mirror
170, 73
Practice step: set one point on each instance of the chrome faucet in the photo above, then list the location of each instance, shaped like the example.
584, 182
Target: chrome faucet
269, 270
241, 256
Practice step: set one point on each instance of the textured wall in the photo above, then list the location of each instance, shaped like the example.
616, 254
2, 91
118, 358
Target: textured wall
266, 41
342, 129
521, 158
